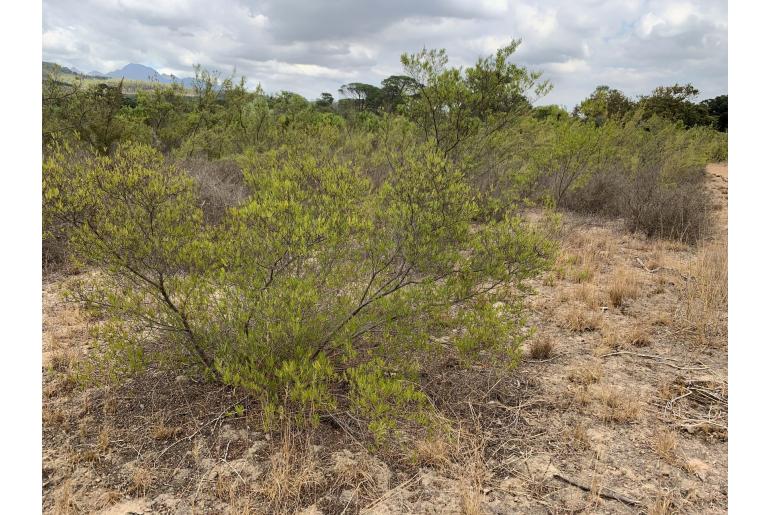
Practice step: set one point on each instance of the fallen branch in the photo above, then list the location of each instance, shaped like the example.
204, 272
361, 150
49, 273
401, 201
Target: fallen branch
660, 359
641, 263
389, 493
191, 436
603, 492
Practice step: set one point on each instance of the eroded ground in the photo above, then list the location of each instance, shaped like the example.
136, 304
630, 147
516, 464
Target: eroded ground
623, 391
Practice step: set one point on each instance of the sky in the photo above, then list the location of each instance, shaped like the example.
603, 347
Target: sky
309, 46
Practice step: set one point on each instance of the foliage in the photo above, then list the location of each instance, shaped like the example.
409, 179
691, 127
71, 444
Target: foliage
315, 273
603, 105
456, 109
320, 254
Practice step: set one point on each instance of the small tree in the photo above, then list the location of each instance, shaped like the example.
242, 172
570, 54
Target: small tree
456, 109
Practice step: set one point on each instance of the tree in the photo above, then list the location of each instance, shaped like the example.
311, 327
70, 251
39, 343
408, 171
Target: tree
91, 113
604, 104
455, 108
675, 103
326, 100
394, 90
367, 97
717, 108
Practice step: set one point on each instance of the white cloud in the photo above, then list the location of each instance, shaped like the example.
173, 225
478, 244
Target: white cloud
310, 47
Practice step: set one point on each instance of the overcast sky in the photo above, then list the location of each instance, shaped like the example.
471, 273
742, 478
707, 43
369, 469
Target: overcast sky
310, 46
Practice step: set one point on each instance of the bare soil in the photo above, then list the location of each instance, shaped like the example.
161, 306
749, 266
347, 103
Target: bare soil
626, 402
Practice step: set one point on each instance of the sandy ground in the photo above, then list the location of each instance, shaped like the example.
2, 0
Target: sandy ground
630, 403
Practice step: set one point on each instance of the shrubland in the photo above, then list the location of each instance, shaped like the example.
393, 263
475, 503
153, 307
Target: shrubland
323, 254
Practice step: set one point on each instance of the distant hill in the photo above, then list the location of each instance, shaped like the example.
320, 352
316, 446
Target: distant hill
135, 71
49, 68
132, 71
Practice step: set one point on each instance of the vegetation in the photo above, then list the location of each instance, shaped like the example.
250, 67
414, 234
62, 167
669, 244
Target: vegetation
319, 254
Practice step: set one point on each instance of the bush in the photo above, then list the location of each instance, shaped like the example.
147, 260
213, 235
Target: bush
651, 175
315, 274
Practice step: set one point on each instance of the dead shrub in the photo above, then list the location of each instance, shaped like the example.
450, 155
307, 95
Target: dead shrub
220, 184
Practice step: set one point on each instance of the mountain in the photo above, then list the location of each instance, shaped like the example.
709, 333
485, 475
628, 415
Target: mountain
135, 71
49, 68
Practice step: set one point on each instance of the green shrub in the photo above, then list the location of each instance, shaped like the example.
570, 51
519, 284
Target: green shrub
316, 273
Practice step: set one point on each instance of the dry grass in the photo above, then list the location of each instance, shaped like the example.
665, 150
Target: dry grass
578, 436
541, 348
578, 320
53, 417
704, 299
663, 505
141, 480
64, 500
624, 286
585, 374
588, 295
582, 396
639, 335
617, 406
611, 337
666, 444
163, 432
472, 472
432, 451
293, 469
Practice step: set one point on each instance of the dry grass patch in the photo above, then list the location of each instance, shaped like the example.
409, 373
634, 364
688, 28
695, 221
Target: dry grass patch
473, 473
617, 406
292, 470
639, 335
704, 299
541, 348
140, 481
585, 374
163, 432
588, 295
64, 500
578, 320
611, 337
432, 451
578, 436
666, 445
663, 505
624, 286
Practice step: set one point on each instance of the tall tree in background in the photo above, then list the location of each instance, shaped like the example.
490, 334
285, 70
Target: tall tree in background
676, 103
717, 108
603, 105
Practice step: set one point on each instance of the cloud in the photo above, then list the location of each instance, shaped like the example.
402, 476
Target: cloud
310, 47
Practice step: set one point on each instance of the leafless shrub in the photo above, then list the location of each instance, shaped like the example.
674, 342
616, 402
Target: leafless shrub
221, 186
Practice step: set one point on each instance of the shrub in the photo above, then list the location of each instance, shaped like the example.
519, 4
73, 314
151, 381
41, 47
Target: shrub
315, 281
652, 177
